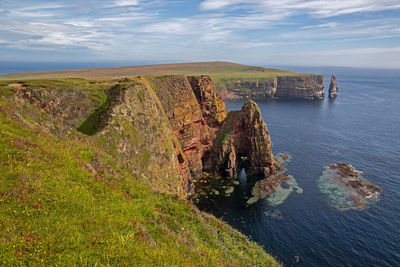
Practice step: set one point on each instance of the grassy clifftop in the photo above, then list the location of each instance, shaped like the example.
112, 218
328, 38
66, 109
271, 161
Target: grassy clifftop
64, 200
214, 69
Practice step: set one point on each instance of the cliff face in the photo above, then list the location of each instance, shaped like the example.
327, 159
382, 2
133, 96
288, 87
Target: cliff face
290, 87
185, 116
333, 89
302, 87
253, 89
134, 128
166, 130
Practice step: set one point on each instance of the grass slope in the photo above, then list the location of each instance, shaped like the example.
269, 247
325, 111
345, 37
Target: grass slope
215, 69
54, 210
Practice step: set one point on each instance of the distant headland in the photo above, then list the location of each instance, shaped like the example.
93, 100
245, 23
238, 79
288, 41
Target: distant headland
232, 81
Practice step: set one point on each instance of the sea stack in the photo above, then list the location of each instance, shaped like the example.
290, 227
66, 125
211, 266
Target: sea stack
333, 89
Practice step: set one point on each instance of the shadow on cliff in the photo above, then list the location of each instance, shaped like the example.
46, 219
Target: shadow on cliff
91, 125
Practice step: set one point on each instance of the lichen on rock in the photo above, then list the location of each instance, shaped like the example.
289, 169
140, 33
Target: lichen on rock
134, 130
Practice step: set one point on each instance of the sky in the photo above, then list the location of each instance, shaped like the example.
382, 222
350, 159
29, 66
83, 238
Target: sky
354, 33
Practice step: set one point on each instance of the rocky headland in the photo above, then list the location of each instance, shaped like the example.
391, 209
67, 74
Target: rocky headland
169, 130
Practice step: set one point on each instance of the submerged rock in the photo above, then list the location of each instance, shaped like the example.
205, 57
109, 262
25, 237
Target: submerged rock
268, 185
283, 192
276, 190
347, 176
333, 89
346, 188
274, 214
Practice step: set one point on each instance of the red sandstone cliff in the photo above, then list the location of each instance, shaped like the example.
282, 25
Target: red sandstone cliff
211, 141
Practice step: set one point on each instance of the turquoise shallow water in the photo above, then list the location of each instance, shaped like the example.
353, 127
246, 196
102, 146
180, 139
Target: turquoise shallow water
361, 127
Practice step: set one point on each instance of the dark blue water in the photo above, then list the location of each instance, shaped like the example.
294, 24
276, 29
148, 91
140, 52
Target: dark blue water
362, 127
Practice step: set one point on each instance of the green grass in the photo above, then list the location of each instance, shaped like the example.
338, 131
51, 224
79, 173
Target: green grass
222, 70
54, 211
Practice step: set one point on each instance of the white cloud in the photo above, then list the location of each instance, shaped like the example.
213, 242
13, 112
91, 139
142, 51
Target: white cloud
127, 2
353, 51
317, 8
345, 32
217, 4
324, 25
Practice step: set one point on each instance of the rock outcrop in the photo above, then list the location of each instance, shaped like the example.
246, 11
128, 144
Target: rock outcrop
211, 104
268, 185
288, 87
348, 176
333, 89
242, 142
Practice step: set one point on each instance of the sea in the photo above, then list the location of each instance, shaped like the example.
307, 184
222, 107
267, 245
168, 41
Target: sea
360, 127
303, 226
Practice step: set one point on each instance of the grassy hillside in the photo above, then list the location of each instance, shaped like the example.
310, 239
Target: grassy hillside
218, 70
55, 209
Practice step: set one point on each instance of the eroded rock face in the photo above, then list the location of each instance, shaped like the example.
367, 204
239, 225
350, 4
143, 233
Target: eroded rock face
333, 89
290, 87
188, 118
242, 142
252, 89
211, 104
301, 87
67, 107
